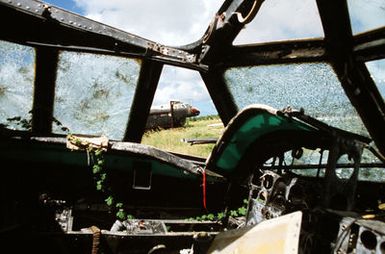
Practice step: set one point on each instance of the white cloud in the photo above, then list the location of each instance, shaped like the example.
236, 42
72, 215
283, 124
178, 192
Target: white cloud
168, 22
180, 84
179, 22
366, 14
283, 20
377, 71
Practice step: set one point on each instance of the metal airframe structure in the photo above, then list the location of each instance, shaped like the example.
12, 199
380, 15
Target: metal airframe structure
53, 32
50, 29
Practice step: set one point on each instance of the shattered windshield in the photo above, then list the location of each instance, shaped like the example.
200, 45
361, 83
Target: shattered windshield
17, 74
311, 86
94, 93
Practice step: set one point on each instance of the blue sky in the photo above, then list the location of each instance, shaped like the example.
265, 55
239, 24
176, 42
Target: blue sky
66, 4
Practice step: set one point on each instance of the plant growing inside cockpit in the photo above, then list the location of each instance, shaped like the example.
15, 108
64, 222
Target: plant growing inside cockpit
95, 153
238, 212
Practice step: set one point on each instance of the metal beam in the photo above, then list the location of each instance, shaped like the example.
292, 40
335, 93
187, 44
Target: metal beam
31, 28
37, 23
44, 93
226, 25
278, 52
144, 95
220, 94
370, 46
353, 75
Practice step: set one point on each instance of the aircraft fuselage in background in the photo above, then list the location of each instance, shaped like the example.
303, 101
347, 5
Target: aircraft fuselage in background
171, 115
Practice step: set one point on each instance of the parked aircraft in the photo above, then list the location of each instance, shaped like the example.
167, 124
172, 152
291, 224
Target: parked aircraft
170, 115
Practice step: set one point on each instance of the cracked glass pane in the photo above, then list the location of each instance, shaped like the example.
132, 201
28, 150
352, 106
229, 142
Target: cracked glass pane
312, 86
366, 14
377, 72
282, 20
17, 74
94, 93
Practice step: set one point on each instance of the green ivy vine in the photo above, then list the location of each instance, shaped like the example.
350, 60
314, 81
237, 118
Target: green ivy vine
241, 211
98, 163
100, 176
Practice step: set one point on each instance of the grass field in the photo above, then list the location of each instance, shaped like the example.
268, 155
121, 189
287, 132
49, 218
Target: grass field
171, 139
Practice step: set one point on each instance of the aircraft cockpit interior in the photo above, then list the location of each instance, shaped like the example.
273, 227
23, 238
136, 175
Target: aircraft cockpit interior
298, 168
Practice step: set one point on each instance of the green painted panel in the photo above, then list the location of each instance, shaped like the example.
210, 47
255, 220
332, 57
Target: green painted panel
251, 130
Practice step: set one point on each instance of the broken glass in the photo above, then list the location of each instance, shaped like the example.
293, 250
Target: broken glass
366, 14
17, 74
377, 72
316, 158
368, 173
311, 86
282, 20
371, 173
94, 93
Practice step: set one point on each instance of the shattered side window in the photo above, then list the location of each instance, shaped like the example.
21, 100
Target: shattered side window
366, 14
94, 93
377, 71
17, 74
371, 173
315, 158
311, 86
282, 20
